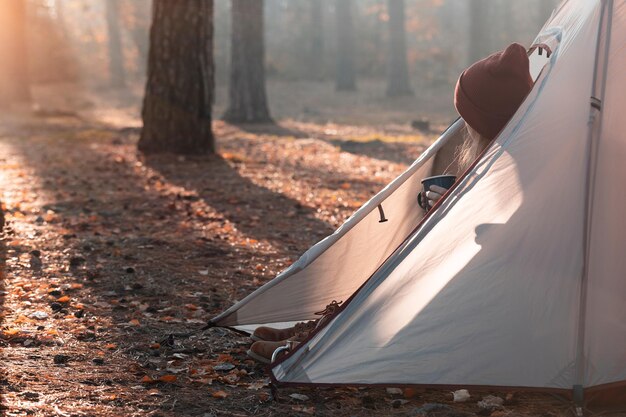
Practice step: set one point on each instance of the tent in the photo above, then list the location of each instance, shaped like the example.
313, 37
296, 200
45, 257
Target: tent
516, 278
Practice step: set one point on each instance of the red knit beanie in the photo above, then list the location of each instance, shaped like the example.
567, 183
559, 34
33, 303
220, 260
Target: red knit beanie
489, 92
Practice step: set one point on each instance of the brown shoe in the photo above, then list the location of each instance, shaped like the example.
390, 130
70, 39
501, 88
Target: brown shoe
262, 351
269, 334
300, 331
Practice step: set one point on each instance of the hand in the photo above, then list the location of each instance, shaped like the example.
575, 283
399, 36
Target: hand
435, 194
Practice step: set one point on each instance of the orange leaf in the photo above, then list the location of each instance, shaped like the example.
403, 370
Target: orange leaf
225, 357
155, 346
64, 299
345, 186
11, 332
168, 378
191, 307
259, 267
219, 394
134, 322
110, 346
147, 380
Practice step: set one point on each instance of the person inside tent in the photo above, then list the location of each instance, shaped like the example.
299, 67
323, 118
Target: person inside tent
487, 94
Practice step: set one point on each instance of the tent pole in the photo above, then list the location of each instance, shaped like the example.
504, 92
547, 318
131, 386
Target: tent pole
594, 124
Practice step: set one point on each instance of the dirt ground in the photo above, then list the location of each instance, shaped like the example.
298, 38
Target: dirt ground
112, 261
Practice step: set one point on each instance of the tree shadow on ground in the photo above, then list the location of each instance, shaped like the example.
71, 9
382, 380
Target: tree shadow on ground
397, 152
134, 239
274, 129
256, 211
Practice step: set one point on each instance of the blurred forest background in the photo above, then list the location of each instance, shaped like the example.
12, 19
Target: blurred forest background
398, 60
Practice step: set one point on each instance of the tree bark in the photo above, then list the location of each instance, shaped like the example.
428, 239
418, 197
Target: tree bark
398, 70
247, 96
315, 65
117, 74
479, 43
345, 78
180, 88
14, 82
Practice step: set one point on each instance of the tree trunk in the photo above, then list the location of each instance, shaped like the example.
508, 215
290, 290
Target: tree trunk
116, 54
139, 32
179, 90
398, 71
247, 97
544, 10
14, 83
345, 79
479, 41
315, 65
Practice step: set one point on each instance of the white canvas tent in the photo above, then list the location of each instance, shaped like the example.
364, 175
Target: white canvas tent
517, 278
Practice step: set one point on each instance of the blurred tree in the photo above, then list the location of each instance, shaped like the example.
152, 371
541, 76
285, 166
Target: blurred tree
544, 11
345, 78
315, 59
139, 29
14, 83
397, 72
116, 55
247, 98
479, 39
179, 90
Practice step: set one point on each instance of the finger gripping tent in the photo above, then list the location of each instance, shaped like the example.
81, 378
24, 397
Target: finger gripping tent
517, 278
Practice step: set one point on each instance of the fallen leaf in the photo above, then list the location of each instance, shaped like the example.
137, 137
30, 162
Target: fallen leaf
147, 380
257, 385
134, 322
155, 346
64, 299
110, 346
154, 392
168, 378
410, 392
219, 394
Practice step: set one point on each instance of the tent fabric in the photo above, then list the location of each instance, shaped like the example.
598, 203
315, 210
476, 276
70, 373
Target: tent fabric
337, 266
516, 279
487, 291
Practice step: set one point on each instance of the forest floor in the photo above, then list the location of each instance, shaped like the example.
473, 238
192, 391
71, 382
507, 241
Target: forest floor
107, 254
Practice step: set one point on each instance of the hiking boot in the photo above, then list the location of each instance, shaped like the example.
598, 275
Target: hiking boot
262, 351
269, 334
300, 331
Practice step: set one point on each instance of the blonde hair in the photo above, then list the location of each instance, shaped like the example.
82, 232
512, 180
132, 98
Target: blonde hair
473, 145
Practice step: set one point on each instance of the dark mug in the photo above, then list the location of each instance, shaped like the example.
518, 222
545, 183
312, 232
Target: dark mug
444, 181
